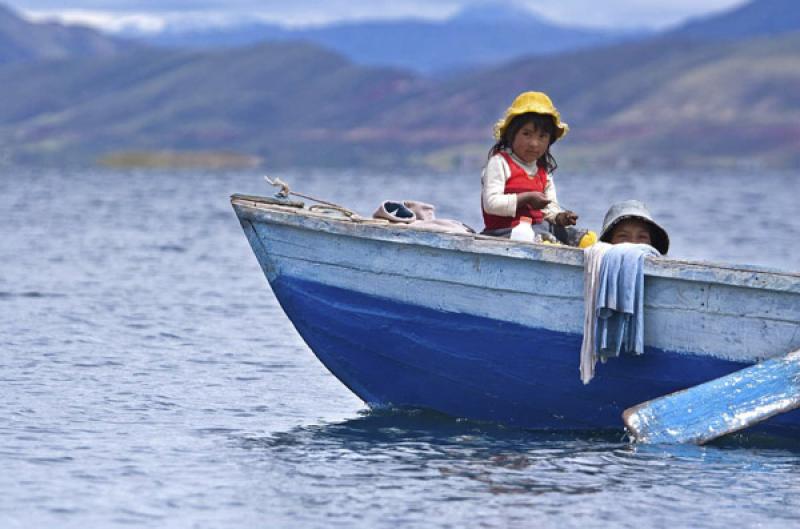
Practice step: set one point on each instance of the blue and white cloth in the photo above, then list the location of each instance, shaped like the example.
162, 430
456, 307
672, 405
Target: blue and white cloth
614, 298
620, 300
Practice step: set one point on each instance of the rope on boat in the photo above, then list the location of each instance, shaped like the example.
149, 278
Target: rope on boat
322, 205
352, 215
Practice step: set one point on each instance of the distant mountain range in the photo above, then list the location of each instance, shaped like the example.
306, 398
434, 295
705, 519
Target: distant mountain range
22, 41
671, 99
476, 36
755, 19
663, 101
279, 100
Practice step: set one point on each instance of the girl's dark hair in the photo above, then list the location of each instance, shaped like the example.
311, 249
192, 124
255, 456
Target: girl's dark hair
543, 122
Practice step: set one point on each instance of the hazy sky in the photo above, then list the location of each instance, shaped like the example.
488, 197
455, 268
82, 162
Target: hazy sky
112, 14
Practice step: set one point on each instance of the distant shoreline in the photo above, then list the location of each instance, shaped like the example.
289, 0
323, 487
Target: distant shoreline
169, 159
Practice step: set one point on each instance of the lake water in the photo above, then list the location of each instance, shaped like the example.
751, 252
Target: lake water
148, 377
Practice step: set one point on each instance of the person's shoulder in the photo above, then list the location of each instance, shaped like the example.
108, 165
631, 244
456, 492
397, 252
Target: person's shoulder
496, 161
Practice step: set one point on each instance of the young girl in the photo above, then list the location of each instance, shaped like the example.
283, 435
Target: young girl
517, 180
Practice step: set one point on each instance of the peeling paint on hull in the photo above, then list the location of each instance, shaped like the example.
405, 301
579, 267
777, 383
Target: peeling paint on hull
394, 354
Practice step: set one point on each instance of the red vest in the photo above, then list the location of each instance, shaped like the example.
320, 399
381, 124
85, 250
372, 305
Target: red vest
518, 182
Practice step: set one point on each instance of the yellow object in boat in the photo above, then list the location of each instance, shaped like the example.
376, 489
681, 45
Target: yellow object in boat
588, 239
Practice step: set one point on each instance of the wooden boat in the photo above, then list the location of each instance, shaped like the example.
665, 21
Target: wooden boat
411, 318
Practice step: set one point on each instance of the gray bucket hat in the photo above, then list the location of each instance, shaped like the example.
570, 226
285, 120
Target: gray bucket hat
633, 209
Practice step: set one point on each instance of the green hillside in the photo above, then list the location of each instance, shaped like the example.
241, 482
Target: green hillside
663, 101
286, 102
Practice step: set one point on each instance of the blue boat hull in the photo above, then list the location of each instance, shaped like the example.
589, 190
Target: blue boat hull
394, 354
413, 318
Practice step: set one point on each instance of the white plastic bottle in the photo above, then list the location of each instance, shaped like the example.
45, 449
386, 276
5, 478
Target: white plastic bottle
523, 231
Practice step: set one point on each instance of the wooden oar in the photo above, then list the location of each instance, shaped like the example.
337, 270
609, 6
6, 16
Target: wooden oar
719, 407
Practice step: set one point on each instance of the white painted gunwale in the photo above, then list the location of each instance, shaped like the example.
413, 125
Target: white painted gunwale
697, 271
720, 311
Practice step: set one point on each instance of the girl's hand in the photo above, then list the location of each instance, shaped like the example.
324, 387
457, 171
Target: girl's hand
534, 199
566, 218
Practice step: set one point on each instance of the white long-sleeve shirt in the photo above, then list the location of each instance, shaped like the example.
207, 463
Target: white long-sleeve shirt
493, 184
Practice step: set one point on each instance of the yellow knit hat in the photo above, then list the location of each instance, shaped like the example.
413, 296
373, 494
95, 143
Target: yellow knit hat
531, 102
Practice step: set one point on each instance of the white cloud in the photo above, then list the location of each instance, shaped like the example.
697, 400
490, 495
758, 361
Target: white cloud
151, 15
628, 13
107, 21
116, 17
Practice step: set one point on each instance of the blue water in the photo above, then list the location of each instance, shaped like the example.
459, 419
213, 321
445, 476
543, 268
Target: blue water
148, 378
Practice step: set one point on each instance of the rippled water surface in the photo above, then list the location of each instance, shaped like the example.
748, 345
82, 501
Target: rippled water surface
149, 378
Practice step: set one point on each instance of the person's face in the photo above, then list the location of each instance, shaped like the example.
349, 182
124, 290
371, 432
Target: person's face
530, 143
631, 230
